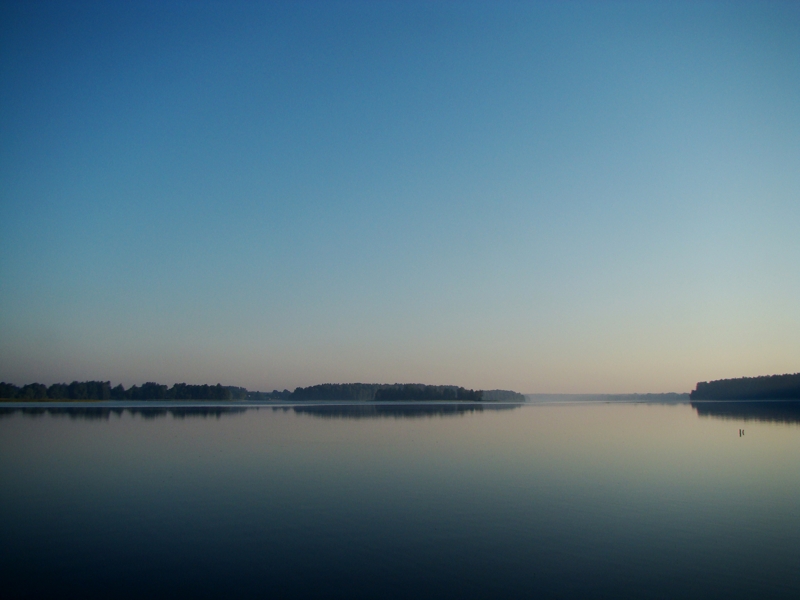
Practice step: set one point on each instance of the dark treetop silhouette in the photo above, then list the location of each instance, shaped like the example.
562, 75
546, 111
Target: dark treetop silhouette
102, 390
771, 387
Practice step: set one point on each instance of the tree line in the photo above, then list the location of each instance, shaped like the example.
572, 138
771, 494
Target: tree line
770, 387
385, 392
102, 390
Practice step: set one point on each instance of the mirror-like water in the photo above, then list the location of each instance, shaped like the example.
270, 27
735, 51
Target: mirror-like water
554, 500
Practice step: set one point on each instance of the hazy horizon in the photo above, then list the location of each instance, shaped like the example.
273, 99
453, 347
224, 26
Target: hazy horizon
543, 197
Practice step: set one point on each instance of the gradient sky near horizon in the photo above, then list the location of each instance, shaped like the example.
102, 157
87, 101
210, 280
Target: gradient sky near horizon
546, 197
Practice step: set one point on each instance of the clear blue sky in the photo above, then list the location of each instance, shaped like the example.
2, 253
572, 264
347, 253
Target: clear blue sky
546, 197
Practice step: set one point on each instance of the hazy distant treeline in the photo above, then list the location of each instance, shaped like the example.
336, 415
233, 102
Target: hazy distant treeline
771, 387
365, 392
502, 396
102, 390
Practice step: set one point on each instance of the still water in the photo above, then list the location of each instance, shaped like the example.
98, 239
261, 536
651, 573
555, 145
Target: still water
555, 500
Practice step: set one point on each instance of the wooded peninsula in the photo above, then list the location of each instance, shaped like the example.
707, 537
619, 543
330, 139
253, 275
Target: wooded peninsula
366, 392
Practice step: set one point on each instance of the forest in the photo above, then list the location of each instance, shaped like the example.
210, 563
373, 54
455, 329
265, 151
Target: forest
386, 392
770, 387
102, 390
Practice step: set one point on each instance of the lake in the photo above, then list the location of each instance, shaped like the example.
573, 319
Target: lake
550, 500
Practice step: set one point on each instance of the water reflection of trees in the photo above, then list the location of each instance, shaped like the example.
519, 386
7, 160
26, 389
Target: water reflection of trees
323, 411
105, 413
393, 411
778, 411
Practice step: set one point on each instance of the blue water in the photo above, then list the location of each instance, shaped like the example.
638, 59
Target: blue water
555, 500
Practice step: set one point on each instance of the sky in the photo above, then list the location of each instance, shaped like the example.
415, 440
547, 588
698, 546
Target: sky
555, 197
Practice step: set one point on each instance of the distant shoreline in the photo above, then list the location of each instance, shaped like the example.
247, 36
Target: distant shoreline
649, 397
5, 403
99, 391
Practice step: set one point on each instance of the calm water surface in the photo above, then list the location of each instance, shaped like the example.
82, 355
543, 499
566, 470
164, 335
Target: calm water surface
554, 501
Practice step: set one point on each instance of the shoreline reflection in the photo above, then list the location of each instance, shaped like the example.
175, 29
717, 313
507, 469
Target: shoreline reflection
394, 411
323, 411
777, 411
105, 413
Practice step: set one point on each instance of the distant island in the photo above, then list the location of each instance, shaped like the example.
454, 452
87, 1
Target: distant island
770, 387
362, 392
